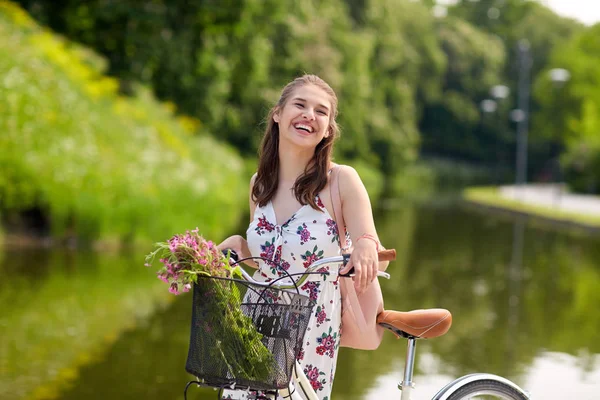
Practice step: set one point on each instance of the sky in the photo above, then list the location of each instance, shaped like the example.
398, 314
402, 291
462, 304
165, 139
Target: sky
586, 11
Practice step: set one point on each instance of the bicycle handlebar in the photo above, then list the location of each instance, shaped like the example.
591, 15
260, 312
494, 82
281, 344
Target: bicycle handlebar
384, 255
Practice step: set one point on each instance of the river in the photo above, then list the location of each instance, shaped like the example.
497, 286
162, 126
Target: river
525, 301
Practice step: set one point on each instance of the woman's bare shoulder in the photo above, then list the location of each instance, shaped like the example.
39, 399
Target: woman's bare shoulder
350, 182
348, 174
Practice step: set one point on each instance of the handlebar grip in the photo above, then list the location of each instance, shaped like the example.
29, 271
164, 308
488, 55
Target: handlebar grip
384, 255
387, 255
232, 254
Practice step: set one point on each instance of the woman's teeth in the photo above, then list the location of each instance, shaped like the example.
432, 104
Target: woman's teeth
303, 127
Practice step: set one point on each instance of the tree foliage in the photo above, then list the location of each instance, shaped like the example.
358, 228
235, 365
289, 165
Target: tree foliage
408, 82
225, 61
570, 113
95, 164
453, 122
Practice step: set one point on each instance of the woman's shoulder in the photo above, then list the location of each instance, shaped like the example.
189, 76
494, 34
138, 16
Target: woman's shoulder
346, 172
349, 179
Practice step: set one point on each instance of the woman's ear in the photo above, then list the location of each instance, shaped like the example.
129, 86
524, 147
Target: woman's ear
276, 115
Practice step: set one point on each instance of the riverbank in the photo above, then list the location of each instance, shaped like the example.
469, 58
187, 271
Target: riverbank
548, 203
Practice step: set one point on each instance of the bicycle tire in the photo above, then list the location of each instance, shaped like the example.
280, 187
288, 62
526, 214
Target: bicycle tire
487, 387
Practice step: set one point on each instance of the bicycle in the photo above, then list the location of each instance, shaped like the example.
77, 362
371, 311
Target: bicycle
411, 325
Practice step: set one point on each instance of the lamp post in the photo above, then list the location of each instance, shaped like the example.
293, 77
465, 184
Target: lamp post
558, 76
498, 94
521, 114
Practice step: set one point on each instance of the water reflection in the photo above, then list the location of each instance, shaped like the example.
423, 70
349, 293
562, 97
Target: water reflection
514, 277
524, 302
63, 310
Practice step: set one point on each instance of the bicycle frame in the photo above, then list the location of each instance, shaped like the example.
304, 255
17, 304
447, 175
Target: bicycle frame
299, 380
301, 384
304, 275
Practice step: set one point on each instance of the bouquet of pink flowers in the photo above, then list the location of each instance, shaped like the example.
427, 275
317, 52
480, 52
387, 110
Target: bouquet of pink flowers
228, 333
184, 257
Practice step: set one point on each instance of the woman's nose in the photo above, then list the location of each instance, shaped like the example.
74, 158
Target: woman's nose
309, 114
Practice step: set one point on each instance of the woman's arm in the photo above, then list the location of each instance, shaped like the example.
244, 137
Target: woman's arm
237, 243
358, 215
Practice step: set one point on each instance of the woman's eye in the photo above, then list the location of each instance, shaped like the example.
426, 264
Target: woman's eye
299, 105
322, 112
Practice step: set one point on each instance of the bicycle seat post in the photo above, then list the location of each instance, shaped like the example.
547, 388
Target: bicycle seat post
407, 384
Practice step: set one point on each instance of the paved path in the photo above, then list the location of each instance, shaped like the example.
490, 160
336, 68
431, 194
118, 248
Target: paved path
553, 196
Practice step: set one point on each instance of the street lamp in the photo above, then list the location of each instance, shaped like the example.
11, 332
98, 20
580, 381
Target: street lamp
499, 92
559, 76
488, 106
521, 114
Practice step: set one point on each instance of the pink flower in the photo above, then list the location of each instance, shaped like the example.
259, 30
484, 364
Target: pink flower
174, 288
183, 255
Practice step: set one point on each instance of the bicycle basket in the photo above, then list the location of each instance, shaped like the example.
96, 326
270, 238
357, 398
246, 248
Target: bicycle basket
245, 335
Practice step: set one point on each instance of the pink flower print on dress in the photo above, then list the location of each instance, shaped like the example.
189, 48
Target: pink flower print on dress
310, 257
321, 316
313, 374
267, 249
274, 261
324, 273
304, 234
313, 290
327, 343
332, 230
263, 225
269, 295
319, 202
282, 263
289, 221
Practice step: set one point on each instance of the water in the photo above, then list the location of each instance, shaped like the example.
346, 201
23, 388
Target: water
524, 300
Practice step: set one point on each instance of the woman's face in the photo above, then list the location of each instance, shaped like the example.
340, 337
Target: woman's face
304, 119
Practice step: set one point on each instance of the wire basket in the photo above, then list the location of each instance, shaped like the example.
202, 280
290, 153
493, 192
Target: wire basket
249, 342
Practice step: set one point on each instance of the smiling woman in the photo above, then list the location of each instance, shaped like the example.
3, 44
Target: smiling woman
291, 217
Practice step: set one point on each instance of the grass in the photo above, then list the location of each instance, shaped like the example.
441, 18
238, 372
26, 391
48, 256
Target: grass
491, 197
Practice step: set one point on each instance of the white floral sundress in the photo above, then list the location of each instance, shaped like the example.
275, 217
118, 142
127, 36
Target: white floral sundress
308, 235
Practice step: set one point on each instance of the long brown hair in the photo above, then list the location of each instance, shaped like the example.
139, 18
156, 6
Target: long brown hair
314, 178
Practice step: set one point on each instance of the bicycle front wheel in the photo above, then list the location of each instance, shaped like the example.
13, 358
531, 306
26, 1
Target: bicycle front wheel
482, 387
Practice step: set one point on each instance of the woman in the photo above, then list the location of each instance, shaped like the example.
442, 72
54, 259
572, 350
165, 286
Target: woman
291, 215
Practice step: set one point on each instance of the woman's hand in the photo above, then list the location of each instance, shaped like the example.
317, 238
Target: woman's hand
232, 242
238, 244
364, 259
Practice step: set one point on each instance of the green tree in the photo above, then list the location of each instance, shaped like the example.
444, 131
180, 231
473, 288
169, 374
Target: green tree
452, 123
407, 65
570, 114
513, 21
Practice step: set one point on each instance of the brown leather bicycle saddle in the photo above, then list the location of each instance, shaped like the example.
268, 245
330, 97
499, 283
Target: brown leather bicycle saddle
424, 324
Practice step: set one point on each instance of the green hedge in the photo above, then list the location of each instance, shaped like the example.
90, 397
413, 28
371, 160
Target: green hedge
99, 165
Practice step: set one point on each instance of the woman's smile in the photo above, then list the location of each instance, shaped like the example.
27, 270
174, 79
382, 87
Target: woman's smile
303, 128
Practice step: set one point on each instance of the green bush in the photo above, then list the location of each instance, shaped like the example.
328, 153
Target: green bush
99, 165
